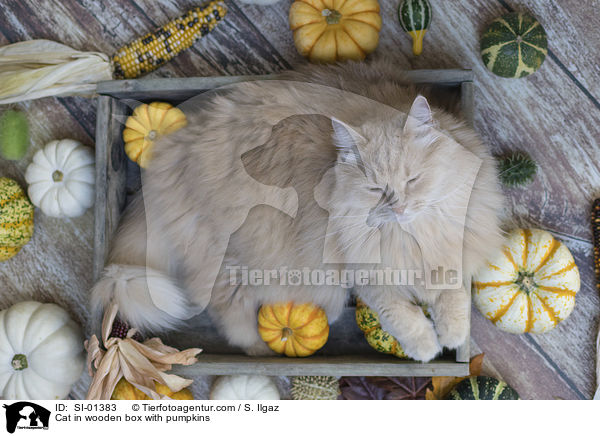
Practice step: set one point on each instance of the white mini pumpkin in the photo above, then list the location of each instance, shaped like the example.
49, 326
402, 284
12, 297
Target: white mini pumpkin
244, 387
61, 178
41, 352
530, 286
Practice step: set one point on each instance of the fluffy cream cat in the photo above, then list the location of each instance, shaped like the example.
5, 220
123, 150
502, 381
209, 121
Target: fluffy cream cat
296, 194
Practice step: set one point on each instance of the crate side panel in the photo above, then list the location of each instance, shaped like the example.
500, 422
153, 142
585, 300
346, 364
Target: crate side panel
111, 173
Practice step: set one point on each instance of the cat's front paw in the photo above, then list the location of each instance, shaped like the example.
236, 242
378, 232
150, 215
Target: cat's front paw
452, 332
423, 347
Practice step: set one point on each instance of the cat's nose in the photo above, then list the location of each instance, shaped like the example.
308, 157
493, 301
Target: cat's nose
399, 210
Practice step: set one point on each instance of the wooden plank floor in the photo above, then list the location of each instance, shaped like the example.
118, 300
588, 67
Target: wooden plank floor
553, 114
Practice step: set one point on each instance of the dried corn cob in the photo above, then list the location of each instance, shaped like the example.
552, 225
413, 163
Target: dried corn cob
154, 49
596, 236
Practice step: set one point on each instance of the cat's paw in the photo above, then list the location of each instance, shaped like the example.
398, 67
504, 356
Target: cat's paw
423, 347
452, 332
259, 349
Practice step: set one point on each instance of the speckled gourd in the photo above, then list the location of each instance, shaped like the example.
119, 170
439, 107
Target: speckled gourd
16, 218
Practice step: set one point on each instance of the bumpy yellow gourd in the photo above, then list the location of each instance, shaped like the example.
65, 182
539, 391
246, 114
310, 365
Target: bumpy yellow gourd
296, 330
530, 286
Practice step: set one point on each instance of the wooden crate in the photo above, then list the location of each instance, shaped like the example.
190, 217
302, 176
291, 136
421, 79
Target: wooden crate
346, 352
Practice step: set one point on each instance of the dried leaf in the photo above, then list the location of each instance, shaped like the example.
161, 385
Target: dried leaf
383, 388
475, 365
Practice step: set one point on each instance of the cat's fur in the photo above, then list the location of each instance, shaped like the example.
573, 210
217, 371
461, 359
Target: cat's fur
190, 183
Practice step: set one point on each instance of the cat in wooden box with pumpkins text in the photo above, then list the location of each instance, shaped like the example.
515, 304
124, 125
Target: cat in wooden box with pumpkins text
396, 165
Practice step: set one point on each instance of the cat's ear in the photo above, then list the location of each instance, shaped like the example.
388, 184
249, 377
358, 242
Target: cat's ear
419, 115
345, 139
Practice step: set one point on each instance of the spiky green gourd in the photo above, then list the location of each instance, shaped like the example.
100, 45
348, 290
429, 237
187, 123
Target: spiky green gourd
315, 388
517, 169
16, 218
14, 135
514, 45
415, 18
482, 388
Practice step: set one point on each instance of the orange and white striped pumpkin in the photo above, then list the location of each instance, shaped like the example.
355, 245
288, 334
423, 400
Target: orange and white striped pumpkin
530, 286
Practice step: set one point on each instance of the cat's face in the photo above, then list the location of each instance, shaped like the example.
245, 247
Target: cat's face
401, 171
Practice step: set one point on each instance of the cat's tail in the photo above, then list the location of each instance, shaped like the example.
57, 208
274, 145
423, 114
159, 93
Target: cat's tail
148, 299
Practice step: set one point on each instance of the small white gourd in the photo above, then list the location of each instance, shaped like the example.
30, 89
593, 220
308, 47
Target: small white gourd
41, 352
61, 178
244, 387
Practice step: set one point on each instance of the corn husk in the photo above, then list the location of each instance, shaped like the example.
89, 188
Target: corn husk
42, 68
140, 363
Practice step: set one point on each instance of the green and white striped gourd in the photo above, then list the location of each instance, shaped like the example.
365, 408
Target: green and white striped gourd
514, 45
415, 18
482, 388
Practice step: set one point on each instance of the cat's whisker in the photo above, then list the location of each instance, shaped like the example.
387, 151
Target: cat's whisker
342, 249
330, 234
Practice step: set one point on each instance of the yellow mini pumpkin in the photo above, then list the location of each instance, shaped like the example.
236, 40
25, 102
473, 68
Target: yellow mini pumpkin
148, 123
296, 330
126, 391
16, 218
530, 286
335, 30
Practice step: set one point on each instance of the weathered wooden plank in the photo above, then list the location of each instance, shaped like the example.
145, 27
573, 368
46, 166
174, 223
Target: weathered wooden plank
215, 364
180, 88
111, 174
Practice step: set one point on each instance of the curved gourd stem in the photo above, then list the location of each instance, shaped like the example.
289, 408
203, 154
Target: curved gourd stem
417, 36
287, 333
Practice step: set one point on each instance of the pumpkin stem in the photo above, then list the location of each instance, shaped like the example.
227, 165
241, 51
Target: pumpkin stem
287, 332
331, 16
57, 176
19, 362
525, 282
417, 37
152, 135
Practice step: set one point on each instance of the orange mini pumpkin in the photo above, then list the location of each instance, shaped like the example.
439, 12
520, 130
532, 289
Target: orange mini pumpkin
296, 330
126, 391
335, 30
148, 123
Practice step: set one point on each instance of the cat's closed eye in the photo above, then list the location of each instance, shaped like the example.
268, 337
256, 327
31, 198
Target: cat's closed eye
412, 180
375, 189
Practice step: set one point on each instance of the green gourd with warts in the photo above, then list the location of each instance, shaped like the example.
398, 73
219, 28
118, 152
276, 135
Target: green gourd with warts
516, 169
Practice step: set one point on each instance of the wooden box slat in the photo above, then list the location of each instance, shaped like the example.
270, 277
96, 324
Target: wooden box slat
343, 355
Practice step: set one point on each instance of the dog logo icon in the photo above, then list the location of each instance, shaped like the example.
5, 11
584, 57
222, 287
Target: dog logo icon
26, 415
